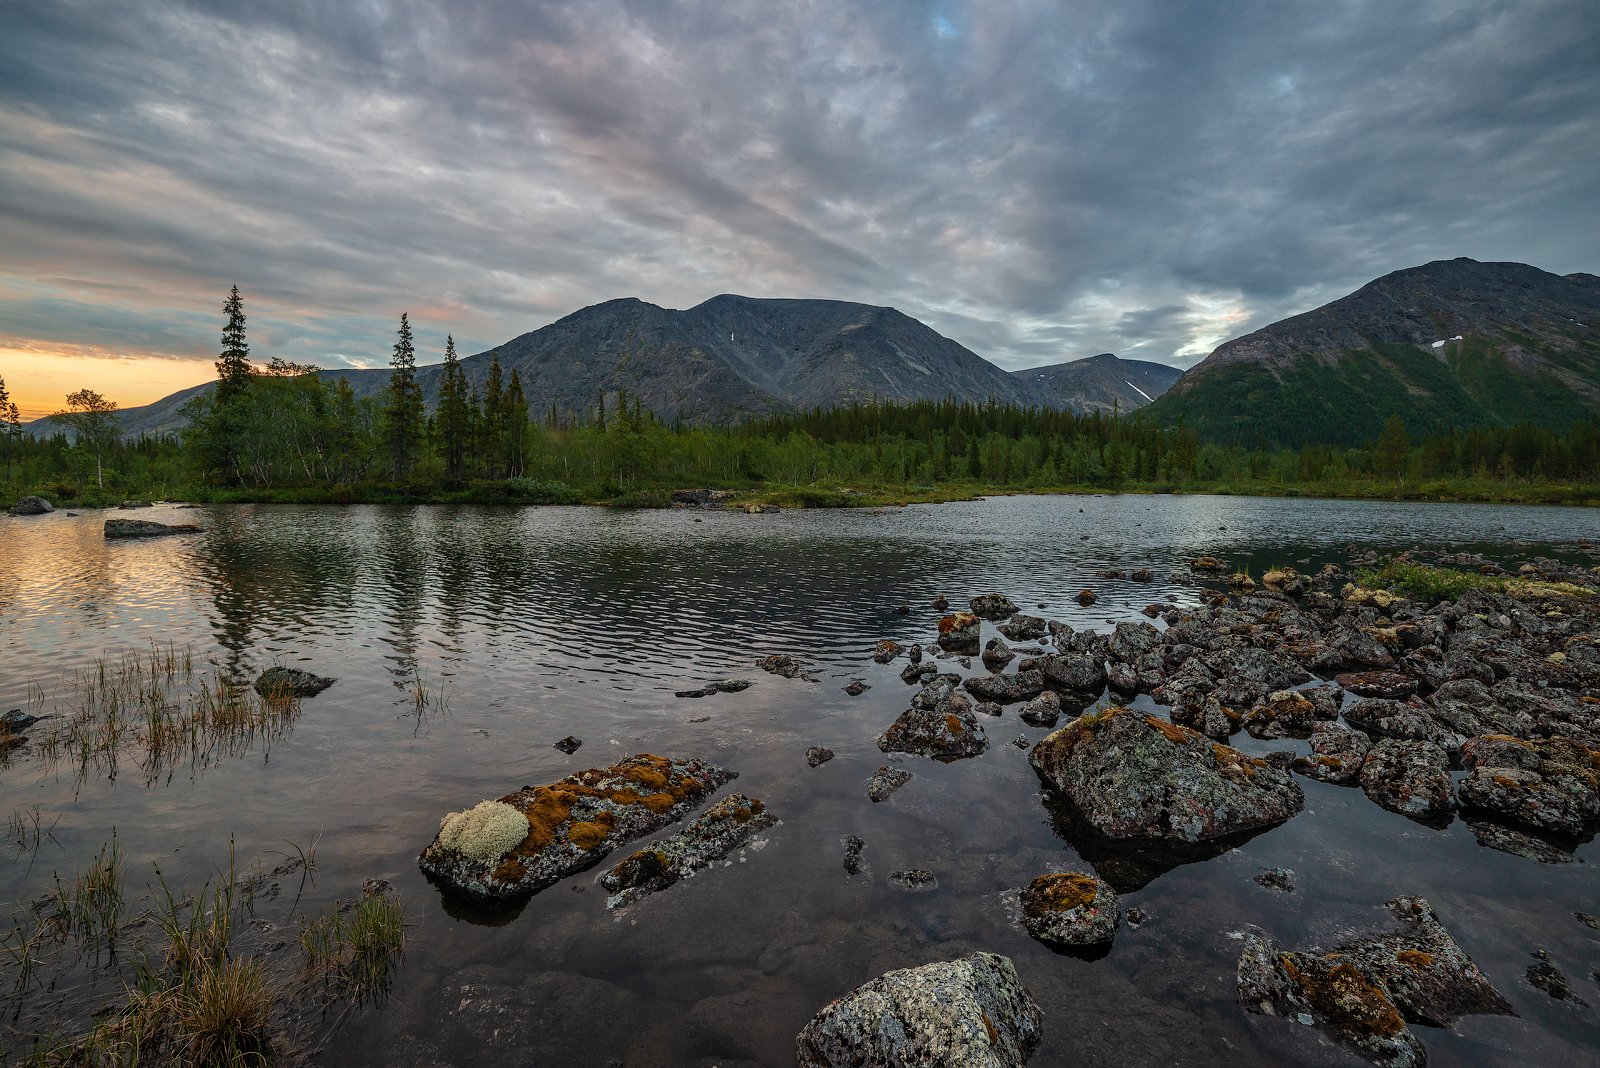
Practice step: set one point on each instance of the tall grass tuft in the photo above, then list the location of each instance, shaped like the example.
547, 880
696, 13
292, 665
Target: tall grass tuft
356, 952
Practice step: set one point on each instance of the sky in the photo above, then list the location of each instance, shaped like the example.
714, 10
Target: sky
1040, 181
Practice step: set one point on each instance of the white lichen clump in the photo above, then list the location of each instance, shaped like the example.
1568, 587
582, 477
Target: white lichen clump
486, 832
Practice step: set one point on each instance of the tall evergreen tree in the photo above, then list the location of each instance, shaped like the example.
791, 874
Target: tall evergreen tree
453, 421
233, 369
514, 421
10, 425
403, 412
492, 448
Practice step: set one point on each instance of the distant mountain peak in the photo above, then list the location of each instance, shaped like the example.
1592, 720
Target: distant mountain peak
1103, 382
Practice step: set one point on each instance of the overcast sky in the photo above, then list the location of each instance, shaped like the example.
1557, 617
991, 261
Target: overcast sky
1040, 181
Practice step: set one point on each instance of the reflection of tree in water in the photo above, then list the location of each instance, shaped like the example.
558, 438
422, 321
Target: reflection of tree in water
402, 567
268, 570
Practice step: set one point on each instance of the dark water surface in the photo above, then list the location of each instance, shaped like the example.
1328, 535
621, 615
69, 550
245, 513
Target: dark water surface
538, 623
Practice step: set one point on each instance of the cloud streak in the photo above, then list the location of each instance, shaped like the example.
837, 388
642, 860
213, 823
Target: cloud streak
1037, 180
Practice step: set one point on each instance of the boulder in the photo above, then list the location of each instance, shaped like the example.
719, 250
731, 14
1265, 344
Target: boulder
967, 1013
1070, 910
574, 822
1042, 711
145, 528
32, 506
724, 827
1284, 714
997, 654
1006, 688
993, 606
781, 664
290, 682
1409, 777
959, 632
1550, 785
818, 755
1337, 753
1136, 776
856, 688
1021, 628
1073, 671
948, 732
886, 650
885, 781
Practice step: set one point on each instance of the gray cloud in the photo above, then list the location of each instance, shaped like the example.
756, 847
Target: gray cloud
1040, 181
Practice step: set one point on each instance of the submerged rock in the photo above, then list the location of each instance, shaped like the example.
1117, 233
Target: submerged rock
723, 827
290, 682
574, 822
1136, 776
1498, 836
818, 754
968, 1013
1070, 909
916, 880
853, 846
780, 664
1544, 975
145, 528
885, 781
31, 506
856, 688
1367, 990
1408, 777
993, 606
1280, 879
948, 732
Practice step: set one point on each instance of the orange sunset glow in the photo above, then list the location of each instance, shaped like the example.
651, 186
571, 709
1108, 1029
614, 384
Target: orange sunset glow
39, 378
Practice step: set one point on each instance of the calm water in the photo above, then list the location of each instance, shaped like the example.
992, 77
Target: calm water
540, 623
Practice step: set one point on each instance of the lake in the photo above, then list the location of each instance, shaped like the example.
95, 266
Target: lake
521, 626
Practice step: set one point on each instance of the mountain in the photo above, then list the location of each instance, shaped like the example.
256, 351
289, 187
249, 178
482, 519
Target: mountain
721, 361
1451, 343
1098, 383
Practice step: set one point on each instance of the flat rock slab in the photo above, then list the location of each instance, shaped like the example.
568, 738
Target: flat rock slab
32, 506
1366, 991
724, 827
575, 822
290, 682
1136, 776
145, 528
967, 1013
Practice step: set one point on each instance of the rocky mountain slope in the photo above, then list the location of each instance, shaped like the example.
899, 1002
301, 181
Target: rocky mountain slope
1098, 383
1450, 343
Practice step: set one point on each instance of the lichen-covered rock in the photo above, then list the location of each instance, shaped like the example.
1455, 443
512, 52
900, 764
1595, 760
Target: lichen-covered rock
1005, 689
1073, 671
1021, 628
1391, 684
290, 682
781, 664
1368, 989
1284, 714
993, 606
720, 830
1070, 909
32, 506
1137, 776
885, 781
959, 632
968, 1013
997, 654
886, 650
1546, 785
948, 732
1042, 711
145, 528
1409, 777
1337, 753
574, 822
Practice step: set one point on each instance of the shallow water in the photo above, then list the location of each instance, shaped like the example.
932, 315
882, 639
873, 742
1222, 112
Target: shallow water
528, 625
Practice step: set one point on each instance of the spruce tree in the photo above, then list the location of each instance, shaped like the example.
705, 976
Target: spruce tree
233, 369
514, 421
403, 412
454, 423
10, 424
494, 420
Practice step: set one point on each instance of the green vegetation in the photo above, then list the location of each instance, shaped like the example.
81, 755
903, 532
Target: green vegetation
287, 434
1433, 584
355, 952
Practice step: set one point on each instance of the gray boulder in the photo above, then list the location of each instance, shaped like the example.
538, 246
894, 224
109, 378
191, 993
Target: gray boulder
993, 606
1070, 910
145, 528
290, 682
1547, 785
967, 1013
948, 732
1409, 777
1337, 753
32, 506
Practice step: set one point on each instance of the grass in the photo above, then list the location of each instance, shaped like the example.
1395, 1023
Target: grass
89, 908
1434, 584
356, 951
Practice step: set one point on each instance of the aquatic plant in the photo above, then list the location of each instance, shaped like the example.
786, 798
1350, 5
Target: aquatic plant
356, 951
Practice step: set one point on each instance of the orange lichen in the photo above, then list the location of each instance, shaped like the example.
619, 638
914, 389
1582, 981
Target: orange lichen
953, 724
988, 1026
1415, 959
590, 833
1173, 732
509, 871
1347, 998
1062, 892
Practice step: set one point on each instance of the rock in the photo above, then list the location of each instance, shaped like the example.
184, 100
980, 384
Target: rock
997, 654
948, 732
886, 650
911, 673
32, 506
1006, 688
16, 721
574, 822
941, 603
1137, 916
968, 1013
1073, 671
917, 880
1021, 628
818, 754
1548, 785
144, 528
1498, 836
290, 682
856, 688
914, 654
988, 708
852, 854
129, 505
1409, 777
1240, 581
993, 606
1070, 909
1208, 564
959, 632
1143, 574
1021, 741
1337, 753
1042, 711
1544, 975
1284, 714
1086, 597
1391, 684
1137, 776
1365, 991
780, 664
1280, 879
691, 498
568, 745
902, 610
885, 781
1285, 580
723, 827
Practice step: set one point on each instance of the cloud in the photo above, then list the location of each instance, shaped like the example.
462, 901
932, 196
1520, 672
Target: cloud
1039, 181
